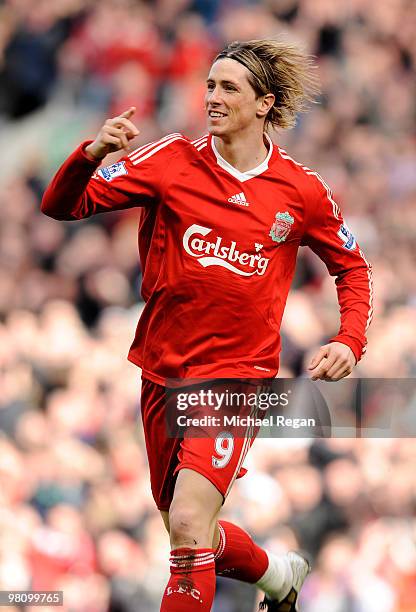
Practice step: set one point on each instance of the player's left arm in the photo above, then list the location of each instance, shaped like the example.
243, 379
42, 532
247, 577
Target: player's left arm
329, 237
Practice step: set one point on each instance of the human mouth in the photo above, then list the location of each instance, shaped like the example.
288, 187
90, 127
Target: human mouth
216, 114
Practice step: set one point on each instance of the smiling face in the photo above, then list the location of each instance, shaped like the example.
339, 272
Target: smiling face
231, 103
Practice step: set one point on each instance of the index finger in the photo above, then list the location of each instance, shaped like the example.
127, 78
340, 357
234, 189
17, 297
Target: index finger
126, 124
319, 369
326, 364
129, 113
317, 358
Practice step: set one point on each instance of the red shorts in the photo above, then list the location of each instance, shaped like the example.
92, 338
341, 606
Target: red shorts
217, 454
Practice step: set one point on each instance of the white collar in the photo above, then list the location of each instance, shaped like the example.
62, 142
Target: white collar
244, 176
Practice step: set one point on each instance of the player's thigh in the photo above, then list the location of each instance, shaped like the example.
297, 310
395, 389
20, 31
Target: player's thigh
218, 458
165, 518
194, 509
195, 491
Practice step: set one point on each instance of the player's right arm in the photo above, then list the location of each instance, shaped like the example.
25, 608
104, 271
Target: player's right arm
79, 189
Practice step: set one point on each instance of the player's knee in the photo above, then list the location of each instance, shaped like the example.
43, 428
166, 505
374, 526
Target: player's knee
188, 526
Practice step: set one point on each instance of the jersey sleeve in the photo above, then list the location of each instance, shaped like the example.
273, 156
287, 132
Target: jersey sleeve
80, 188
327, 234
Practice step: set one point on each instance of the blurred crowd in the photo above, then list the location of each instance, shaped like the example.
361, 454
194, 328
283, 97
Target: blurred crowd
76, 512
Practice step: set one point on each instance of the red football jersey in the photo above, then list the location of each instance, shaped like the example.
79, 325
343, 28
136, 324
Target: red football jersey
218, 250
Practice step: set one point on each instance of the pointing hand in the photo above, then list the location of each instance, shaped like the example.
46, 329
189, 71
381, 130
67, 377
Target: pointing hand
114, 135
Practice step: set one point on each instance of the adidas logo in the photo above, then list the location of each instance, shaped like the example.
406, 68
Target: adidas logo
239, 198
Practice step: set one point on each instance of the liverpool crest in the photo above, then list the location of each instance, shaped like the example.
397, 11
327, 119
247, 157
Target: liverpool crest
281, 226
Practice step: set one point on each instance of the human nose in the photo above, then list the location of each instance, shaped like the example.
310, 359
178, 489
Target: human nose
213, 95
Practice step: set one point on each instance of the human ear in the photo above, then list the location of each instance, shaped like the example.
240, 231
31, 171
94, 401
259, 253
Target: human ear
264, 104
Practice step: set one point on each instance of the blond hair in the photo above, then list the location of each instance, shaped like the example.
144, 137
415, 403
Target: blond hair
280, 68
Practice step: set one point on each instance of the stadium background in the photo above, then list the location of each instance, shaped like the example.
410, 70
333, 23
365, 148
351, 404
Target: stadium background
75, 506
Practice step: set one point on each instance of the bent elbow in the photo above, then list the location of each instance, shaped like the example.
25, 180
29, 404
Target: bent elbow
48, 204
49, 207
46, 209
